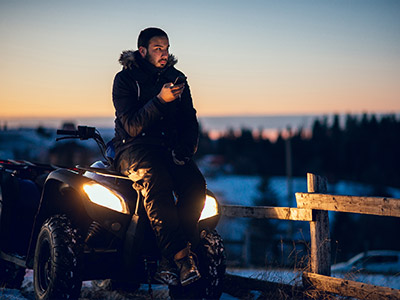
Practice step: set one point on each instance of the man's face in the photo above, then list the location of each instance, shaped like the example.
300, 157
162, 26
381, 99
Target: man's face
157, 51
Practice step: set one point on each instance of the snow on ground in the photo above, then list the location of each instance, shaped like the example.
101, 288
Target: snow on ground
294, 277
235, 189
243, 190
161, 291
9, 294
90, 292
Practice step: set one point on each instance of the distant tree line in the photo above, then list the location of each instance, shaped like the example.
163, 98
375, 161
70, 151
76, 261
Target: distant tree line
361, 148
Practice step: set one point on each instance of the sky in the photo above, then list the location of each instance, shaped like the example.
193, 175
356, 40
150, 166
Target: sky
254, 57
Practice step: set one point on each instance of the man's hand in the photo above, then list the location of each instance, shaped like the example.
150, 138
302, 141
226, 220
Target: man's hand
170, 92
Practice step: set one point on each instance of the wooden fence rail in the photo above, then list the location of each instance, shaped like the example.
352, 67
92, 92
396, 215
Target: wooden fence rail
259, 212
389, 207
313, 207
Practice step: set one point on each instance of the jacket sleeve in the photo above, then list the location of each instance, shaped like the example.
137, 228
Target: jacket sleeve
133, 116
188, 127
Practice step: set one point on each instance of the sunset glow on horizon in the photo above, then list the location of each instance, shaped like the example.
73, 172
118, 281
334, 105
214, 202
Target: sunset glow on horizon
59, 58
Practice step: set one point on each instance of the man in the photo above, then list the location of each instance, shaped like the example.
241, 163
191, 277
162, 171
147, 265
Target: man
156, 136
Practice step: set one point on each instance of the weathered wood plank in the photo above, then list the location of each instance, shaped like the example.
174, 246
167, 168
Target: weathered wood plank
320, 243
349, 288
319, 231
353, 204
259, 212
241, 288
316, 184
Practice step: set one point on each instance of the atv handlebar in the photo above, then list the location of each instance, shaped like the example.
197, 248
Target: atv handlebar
83, 133
67, 132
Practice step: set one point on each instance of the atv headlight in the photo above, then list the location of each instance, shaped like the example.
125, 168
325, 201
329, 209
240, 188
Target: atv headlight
210, 208
103, 196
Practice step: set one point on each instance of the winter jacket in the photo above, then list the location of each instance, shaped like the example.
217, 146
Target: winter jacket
141, 118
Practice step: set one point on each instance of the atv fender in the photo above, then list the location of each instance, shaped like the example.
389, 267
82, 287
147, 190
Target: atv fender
63, 194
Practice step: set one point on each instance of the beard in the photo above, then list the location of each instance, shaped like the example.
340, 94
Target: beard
155, 63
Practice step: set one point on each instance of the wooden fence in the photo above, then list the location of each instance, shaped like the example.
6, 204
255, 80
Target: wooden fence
313, 207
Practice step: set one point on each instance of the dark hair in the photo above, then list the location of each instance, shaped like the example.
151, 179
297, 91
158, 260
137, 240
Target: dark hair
147, 34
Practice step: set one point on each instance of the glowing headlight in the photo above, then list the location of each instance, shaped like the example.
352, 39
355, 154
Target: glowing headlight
103, 196
210, 208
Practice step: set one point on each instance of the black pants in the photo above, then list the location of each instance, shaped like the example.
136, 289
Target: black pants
174, 222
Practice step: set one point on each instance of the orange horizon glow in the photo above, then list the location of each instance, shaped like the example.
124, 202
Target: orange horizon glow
58, 60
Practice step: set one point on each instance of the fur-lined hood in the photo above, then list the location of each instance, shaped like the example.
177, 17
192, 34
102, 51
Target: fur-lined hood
128, 59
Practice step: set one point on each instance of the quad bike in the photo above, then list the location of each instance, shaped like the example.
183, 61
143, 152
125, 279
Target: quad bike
87, 223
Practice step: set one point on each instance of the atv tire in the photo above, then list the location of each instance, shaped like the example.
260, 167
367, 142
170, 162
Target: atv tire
57, 261
212, 264
11, 275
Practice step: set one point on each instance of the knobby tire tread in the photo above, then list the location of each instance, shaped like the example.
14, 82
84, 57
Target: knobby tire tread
64, 242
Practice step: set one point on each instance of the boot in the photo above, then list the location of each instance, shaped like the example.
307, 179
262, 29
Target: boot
167, 272
187, 267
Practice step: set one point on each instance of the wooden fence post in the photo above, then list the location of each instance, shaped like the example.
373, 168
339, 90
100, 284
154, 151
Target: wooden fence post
319, 230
